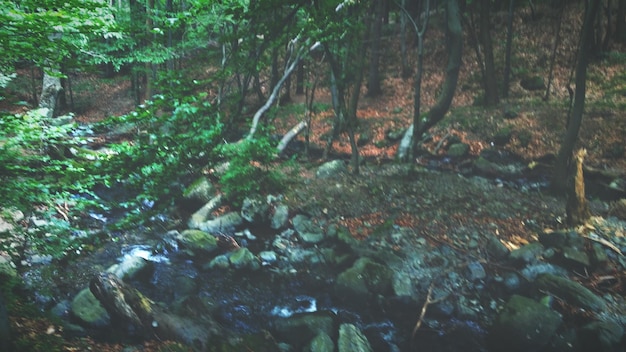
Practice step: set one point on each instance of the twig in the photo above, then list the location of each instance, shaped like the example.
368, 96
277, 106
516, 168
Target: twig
606, 243
429, 300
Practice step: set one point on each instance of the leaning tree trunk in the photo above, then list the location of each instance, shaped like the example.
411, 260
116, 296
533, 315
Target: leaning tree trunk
441, 107
455, 48
129, 306
50, 91
560, 176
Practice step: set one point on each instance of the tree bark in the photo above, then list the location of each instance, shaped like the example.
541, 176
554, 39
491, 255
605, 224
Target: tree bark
557, 41
129, 306
620, 21
373, 80
455, 52
51, 88
560, 177
509, 46
577, 209
491, 87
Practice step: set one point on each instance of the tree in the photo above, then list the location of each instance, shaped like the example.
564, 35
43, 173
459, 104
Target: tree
560, 177
508, 49
438, 111
373, 79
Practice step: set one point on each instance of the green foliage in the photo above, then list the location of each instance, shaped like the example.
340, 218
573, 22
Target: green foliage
174, 138
249, 171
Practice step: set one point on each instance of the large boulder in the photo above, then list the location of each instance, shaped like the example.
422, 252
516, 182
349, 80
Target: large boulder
300, 328
331, 169
364, 279
196, 242
523, 325
351, 339
307, 230
88, 310
199, 191
226, 223
255, 210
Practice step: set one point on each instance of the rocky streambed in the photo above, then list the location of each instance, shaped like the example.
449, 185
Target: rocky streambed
440, 263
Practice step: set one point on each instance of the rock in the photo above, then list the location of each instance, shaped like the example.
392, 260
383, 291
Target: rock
300, 328
458, 150
598, 254
364, 278
331, 169
531, 271
243, 258
320, 343
601, 336
200, 190
197, 242
88, 310
223, 224
561, 239
129, 267
523, 325
351, 339
532, 83
255, 210
570, 291
495, 248
220, 261
8, 219
280, 217
202, 215
402, 284
475, 271
307, 230
575, 258
268, 257
528, 253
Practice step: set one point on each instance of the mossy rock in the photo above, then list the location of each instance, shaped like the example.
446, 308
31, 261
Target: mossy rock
570, 291
523, 325
86, 307
197, 241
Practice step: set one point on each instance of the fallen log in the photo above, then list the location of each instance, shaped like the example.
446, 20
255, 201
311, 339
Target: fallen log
149, 319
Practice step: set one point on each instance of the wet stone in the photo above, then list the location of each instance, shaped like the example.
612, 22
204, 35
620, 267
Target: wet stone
576, 258
570, 291
475, 271
321, 343
528, 253
601, 336
351, 339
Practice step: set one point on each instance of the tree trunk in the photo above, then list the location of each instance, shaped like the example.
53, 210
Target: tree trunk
129, 306
51, 88
577, 209
557, 41
417, 105
559, 179
455, 52
406, 71
491, 87
373, 80
509, 45
620, 21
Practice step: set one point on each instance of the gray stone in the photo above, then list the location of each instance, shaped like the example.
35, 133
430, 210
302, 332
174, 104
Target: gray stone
570, 291
243, 258
458, 150
268, 256
598, 254
320, 343
475, 271
523, 325
528, 253
364, 278
129, 267
200, 190
601, 336
220, 262
203, 214
196, 241
402, 284
223, 224
495, 248
351, 339
280, 217
331, 169
576, 258
255, 210
531, 271
87, 309
299, 328
561, 239
307, 230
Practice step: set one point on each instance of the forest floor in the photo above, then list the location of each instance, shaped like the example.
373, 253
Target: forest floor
541, 123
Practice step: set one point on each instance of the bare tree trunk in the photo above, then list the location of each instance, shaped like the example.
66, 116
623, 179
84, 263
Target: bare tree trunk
509, 45
455, 52
50, 90
559, 179
373, 80
491, 87
557, 41
417, 104
406, 71
620, 21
